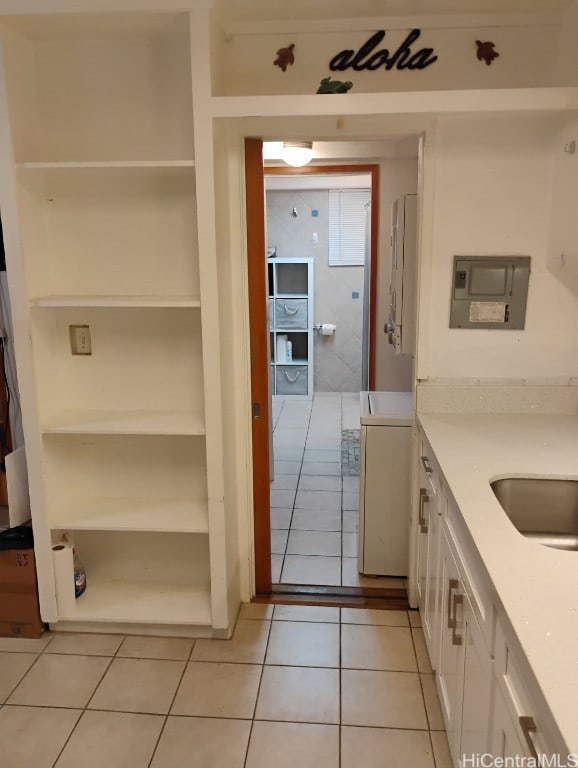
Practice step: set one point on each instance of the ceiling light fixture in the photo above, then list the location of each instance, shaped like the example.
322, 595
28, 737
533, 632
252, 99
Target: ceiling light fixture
297, 153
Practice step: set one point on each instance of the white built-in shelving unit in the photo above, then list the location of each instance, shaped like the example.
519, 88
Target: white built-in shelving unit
100, 210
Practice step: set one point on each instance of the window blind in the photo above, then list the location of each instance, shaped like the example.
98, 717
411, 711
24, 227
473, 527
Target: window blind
347, 222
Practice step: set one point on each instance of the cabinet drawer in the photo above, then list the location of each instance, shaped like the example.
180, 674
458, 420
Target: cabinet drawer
291, 380
523, 700
291, 313
476, 581
428, 465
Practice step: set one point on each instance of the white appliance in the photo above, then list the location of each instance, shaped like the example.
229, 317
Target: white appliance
384, 492
400, 327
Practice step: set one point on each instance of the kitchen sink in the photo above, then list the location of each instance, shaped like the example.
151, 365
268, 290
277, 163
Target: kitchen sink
542, 509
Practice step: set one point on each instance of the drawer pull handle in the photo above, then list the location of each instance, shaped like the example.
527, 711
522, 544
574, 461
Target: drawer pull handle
528, 726
458, 600
426, 465
289, 311
292, 380
423, 500
452, 584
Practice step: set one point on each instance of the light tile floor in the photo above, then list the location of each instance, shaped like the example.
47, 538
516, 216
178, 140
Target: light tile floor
314, 508
317, 687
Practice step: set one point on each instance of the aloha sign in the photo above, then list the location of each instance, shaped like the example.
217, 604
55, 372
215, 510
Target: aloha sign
367, 57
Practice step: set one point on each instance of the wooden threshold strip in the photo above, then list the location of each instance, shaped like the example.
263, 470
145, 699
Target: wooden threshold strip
340, 597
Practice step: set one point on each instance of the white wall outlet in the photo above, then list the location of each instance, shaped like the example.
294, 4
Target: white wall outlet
80, 343
314, 237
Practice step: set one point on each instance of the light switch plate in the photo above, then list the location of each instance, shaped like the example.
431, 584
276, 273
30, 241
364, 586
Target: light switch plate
80, 342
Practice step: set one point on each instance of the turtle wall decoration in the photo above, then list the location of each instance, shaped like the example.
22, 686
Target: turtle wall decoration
327, 85
486, 51
285, 57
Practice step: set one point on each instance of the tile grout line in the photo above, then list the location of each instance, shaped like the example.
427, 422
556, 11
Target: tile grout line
24, 674
296, 489
342, 526
339, 732
171, 705
96, 687
258, 689
289, 529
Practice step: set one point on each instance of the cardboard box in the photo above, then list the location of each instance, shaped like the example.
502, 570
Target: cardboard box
19, 609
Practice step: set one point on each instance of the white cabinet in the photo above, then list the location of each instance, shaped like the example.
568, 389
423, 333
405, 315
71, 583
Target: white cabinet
99, 205
290, 284
465, 664
488, 695
386, 421
521, 723
430, 509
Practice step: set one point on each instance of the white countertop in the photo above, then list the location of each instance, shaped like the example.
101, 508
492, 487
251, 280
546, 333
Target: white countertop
537, 585
386, 408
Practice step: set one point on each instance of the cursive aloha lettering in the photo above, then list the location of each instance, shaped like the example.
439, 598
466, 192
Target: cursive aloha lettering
365, 58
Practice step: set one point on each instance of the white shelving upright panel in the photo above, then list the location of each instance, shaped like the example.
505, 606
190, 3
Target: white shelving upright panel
291, 314
99, 208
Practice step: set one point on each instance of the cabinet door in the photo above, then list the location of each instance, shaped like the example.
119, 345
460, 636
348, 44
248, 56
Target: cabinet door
504, 736
425, 500
477, 688
424, 505
428, 556
451, 657
430, 612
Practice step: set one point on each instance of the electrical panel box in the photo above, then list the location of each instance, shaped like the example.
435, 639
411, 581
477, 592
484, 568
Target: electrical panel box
489, 292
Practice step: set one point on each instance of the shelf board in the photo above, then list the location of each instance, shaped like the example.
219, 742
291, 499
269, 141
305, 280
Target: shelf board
85, 422
167, 302
291, 296
549, 99
141, 603
41, 165
155, 515
295, 361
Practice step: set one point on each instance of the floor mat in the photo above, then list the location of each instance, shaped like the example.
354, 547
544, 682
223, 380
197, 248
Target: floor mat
350, 451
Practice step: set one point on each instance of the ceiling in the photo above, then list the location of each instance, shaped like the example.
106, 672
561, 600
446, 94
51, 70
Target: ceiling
260, 10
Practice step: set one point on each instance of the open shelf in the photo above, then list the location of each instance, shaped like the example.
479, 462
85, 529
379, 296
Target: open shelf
122, 422
100, 87
145, 514
105, 164
548, 99
121, 482
120, 232
144, 374
157, 578
159, 603
166, 302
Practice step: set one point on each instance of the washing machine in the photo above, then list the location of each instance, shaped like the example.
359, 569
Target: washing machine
384, 478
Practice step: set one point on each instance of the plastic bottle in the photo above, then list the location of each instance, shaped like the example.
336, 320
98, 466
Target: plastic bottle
79, 575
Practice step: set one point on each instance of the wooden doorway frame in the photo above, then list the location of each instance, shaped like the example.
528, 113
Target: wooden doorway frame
258, 319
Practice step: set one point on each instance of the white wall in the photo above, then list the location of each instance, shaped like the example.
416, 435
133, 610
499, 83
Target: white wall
337, 359
563, 243
567, 73
528, 58
492, 196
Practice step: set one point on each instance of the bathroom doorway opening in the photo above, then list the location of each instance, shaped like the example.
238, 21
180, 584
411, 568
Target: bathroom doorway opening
306, 520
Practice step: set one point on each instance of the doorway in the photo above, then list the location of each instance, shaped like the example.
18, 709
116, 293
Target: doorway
311, 515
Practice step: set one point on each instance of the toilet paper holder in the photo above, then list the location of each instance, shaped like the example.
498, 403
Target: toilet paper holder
325, 329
